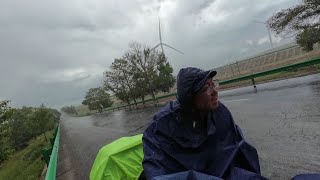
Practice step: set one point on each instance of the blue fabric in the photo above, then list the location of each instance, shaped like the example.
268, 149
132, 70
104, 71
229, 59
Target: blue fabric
216, 147
307, 177
186, 175
238, 173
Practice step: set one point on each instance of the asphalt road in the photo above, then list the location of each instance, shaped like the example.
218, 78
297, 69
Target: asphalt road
282, 120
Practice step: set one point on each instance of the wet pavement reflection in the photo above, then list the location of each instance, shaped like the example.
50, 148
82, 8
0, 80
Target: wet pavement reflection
282, 121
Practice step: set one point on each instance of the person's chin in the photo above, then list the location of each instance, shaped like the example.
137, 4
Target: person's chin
214, 104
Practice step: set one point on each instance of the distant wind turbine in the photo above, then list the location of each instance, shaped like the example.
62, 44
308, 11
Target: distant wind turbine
163, 44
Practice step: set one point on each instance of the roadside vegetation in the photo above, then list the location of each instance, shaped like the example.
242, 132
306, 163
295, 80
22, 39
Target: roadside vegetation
26, 163
23, 132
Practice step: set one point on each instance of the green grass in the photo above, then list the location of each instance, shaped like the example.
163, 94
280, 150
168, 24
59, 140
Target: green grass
25, 164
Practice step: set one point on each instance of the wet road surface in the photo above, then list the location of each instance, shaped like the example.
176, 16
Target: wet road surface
282, 121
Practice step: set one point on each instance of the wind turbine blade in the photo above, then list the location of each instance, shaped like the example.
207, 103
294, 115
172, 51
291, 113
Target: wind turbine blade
160, 32
154, 47
162, 48
172, 48
260, 22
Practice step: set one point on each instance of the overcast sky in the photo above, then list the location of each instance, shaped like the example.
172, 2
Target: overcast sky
52, 52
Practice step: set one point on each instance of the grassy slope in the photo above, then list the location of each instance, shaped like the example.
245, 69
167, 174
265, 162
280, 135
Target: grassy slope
25, 164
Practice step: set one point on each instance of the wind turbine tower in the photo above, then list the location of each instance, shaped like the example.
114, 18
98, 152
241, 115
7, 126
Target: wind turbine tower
163, 44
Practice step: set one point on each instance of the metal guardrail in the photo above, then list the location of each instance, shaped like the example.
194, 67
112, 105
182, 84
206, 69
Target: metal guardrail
53, 160
265, 53
46, 152
289, 52
141, 102
292, 67
251, 77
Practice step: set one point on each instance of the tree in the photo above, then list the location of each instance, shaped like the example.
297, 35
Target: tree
3, 110
5, 131
302, 20
5, 147
42, 120
29, 122
142, 63
164, 80
97, 99
151, 70
119, 80
138, 73
21, 122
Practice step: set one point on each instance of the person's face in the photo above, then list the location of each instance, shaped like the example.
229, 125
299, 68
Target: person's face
207, 97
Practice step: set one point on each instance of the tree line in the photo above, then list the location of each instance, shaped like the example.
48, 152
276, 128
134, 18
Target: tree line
138, 73
18, 126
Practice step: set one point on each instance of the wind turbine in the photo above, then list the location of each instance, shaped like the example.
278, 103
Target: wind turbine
268, 28
163, 44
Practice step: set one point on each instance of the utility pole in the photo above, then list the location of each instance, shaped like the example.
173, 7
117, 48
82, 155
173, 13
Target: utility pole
231, 68
238, 67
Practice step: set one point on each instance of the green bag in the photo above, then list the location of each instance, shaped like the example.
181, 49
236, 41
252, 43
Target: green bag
121, 159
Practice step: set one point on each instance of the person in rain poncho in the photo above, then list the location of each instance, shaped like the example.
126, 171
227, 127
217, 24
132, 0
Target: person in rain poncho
197, 133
